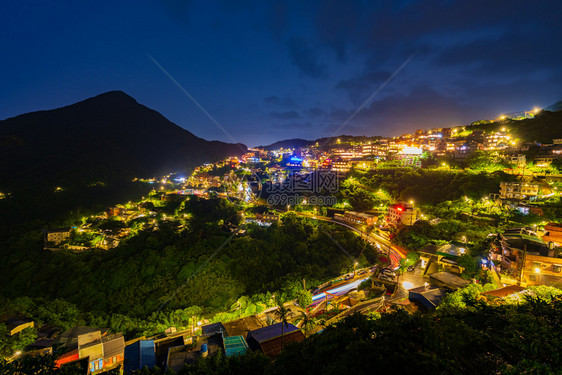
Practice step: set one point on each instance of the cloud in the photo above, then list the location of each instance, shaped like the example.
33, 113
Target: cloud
288, 115
306, 58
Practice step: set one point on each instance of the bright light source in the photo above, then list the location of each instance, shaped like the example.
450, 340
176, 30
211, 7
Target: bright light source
407, 285
537, 270
536, 110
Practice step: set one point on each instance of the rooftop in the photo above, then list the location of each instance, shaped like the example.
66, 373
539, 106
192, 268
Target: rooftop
448, 279
272, 331
429, 296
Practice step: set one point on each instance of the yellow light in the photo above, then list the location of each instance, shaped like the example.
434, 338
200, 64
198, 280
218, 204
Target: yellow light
536, 110
502, 117
537, 270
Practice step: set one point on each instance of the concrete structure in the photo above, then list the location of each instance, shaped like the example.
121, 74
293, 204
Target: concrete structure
530, 260
57, 236
518, 190
434, 257
401, 214
553, 233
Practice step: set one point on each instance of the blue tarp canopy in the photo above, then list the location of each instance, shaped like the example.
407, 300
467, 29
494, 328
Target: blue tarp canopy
235, 345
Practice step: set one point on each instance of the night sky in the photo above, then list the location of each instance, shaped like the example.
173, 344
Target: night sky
268, 71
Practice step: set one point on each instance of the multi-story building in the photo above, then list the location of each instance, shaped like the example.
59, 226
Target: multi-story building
103, 351
518, 190
529, 260
341, 166
57, 236
518, 159
401, 214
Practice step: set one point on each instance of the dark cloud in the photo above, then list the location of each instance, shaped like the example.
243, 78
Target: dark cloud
335, 21
514, 52
289, 115
306, 58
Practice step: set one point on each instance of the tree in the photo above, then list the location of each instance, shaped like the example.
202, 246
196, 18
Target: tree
283, 314
306, 323
304, 298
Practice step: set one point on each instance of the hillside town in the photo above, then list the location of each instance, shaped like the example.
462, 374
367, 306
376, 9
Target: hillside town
415, 278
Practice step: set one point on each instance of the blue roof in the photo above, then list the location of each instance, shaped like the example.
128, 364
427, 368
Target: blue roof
139, 354
269, 332
235, 345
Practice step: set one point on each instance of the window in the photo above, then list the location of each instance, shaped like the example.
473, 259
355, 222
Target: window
533, 277
557, 268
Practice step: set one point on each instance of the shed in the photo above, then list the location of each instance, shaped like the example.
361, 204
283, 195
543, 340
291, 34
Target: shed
429, 297
270, 339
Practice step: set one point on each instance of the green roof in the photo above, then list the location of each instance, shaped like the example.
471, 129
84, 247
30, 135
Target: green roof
235, 345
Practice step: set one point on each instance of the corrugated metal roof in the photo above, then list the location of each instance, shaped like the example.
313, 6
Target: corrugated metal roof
211, 329
269, 332
113, 345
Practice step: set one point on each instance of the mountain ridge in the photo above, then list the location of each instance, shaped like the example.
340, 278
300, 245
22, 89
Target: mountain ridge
105, 137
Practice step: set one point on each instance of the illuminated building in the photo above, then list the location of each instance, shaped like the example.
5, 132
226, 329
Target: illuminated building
529, 260
401, 214
518, 190
57, 236
341, 166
